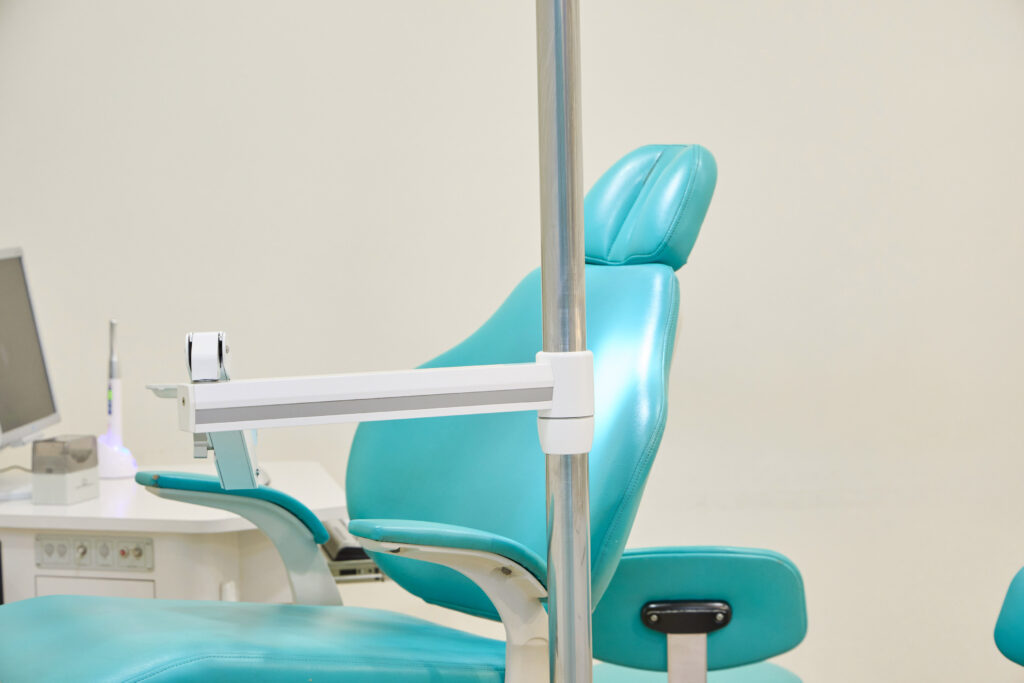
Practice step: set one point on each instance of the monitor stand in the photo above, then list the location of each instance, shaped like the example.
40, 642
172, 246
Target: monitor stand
15, 485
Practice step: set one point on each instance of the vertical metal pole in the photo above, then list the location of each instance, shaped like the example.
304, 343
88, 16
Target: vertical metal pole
569, 629
562, 274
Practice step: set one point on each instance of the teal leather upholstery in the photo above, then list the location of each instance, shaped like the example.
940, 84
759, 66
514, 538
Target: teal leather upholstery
448, 536
648, 208
482, 472
210, 484
651, 202
631, 320
1010, 626
763, 587
178, 641
752, 673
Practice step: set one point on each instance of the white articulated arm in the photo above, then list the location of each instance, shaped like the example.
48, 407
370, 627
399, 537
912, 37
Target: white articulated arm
219, 412
515, 593
218, 406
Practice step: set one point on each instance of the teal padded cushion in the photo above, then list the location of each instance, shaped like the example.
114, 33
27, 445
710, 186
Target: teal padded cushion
448, 536
207, 483
101, 640
487, 471
753, 673
764, 589
1010, 626
649, 206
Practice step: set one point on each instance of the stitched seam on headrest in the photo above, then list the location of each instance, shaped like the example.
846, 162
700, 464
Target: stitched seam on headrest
633, 208
687, 194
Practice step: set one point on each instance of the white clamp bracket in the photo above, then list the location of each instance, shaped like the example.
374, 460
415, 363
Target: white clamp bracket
568, 427
206, 354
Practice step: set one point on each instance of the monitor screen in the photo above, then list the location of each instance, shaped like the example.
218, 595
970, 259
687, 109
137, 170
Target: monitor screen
26, 400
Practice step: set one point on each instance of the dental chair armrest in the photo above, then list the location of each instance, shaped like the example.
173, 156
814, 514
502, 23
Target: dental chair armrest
414, 532
763, 590
510, 574
186, 481
291, 526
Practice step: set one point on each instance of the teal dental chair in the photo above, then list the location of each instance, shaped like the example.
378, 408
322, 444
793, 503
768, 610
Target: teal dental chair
453, 509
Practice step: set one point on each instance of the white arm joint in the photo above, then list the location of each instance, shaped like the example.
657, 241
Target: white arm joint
568, 427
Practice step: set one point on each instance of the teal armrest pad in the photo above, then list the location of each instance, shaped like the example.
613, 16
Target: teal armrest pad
208, 483
1010, 626
448, 536
764, 589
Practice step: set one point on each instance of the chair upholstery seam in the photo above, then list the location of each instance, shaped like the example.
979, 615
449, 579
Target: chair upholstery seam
687, 194
625, 219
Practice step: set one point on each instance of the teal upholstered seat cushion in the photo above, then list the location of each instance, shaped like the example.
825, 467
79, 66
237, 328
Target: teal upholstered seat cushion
208, 483
1010, 626
753, 673
172, 641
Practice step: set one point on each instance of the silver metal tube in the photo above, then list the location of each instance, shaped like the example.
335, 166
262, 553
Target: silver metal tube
569, 628
561, 186
565, 329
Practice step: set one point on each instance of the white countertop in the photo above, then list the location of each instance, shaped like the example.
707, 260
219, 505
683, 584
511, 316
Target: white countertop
124, 505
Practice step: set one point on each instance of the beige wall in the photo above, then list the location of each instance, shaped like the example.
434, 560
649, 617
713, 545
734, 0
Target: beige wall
355, 183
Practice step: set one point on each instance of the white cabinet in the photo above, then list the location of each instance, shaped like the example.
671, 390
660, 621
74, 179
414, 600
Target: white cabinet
130, 543
110, 588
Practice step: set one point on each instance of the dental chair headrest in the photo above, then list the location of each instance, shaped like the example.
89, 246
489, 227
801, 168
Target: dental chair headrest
648, 207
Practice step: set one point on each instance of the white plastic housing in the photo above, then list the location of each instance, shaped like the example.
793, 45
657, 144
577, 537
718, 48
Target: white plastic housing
567, 428
65, 489
566, 435
207, 356
572, 374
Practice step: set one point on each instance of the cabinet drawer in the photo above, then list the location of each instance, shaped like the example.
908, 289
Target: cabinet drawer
110, 588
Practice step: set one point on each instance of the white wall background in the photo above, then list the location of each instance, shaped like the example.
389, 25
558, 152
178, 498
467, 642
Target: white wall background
350, 186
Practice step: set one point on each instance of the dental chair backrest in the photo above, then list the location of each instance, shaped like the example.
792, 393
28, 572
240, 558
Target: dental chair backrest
487, 471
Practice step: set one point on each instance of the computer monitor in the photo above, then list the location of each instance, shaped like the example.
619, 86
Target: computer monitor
26, 397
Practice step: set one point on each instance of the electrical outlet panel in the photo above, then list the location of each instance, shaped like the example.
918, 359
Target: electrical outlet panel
106, 553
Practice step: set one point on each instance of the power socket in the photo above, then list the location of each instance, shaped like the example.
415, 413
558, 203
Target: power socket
59, 551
